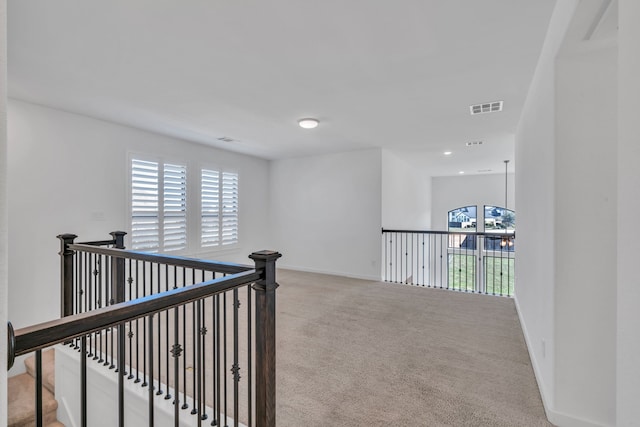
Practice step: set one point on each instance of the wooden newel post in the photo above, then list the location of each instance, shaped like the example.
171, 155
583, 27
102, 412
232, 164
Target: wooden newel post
66, 274
265, 330
117, 270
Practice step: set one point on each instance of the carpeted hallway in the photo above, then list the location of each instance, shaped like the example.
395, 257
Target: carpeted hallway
362, 353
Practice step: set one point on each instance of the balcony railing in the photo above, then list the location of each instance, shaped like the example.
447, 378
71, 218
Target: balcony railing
474, 262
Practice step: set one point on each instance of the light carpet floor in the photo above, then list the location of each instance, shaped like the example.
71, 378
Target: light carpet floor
362, 353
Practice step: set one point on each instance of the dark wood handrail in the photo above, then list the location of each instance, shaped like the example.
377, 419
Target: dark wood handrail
215, 266
53, 332
466, 233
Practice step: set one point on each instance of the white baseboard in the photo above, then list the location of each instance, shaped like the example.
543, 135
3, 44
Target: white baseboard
331, 273
555, 417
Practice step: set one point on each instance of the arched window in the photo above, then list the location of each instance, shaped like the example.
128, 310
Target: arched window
497, 218
463, 219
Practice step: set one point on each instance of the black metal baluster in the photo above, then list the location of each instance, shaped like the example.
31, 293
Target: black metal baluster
249, 361
235, 369
86, 282
112, 300
203, 351
213, 364
121, 367
89, 304
395, 278
151, 404
423, 270
194, 337
98, 273
198, 367
144, 327
130, 333
83, 382
167, 396
185, 405
502, 251
176, 351
412, 259
218, 361
160, 391
224, 339
39, 388
137, 334
441, 265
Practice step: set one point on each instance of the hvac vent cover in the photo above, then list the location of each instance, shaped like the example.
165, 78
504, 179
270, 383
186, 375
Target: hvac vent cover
226, 139
473, 143
487, 107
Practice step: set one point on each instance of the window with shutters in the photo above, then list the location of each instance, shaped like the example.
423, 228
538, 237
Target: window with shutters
158, 206
219, 208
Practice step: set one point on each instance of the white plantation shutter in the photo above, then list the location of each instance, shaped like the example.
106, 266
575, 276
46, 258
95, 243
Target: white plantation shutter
210, 208
145, 224
175, 207
229, 208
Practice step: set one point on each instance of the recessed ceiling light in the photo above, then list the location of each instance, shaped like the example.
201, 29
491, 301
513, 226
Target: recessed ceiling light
461, 172
486, 107
447, 153
308, 123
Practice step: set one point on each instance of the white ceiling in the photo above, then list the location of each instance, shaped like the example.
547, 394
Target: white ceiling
377, 73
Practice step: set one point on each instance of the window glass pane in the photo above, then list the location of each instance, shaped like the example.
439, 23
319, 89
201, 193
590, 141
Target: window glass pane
210, 208
462, 219
145, 224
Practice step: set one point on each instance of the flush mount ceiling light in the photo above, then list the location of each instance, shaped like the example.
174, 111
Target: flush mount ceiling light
308, 123
486, 107
461, 172
447, 153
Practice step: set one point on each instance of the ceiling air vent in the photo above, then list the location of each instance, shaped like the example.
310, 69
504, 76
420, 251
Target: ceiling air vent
226, 139
487, 107
473, 143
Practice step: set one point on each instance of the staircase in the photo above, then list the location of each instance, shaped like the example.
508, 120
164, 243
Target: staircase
22, 391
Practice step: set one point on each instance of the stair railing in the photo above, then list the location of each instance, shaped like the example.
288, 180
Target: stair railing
119, 306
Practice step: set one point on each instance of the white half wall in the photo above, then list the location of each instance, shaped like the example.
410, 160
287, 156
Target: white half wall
567, 181
451, 192
406, 193
326, 213
4, 291
535, 181
585, 240
628, 345
69, 174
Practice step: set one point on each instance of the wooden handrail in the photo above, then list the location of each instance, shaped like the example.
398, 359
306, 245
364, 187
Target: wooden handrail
215, 266
53, 332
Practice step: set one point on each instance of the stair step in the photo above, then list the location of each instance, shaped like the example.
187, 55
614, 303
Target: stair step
22, 402
48, 368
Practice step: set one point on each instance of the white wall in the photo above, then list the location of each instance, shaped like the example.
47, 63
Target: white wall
69, 173
628, 349
566, 182
585, 240
326, 213
406, 194
3, 213
451, 192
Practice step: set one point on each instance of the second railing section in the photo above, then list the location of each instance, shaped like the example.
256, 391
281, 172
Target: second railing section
469, 262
